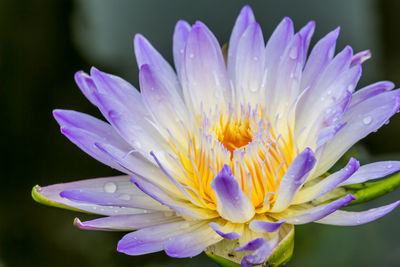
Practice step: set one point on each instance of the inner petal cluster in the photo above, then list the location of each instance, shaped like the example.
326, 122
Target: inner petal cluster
244, 139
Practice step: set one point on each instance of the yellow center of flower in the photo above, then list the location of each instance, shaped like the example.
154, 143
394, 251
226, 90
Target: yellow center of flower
234, 135
248, 142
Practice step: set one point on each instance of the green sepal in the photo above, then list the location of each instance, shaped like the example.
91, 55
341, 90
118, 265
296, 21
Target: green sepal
368, 191
39, 198
221, 261
281, 254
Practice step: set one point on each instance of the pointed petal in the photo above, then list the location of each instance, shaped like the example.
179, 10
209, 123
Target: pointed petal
181, 33
350, 218
87, 85
147, 54
128, 222
260, 226
167, 107
328, 184
276, 46
360, 57
50, 195
252, 245
306, 33
370, 91
138, 132
84, 130
319, 212
152, 239
293, 179
119, 90
109, 197
204, 85
245, 18
249, 73
324, 93
232, 203
319, 58
192, 243
373, 171
170, 200
225, 231
361, 120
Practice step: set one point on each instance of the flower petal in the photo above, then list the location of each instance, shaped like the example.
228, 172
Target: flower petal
181, 33
192, 243
350, 218
362, 119
50, 195
147, 54
87, 85
152, 239
370, 91
293, 179
327, 184
373, 171
245, 18
232, 203
167, 107
110, 198
360, 57
260, 226
128, 222
319, 212
84, 130
249, 73
139, 133
170, 200
205, 78
319, 58
226, 230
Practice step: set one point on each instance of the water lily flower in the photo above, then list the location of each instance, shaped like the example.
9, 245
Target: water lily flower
229, 151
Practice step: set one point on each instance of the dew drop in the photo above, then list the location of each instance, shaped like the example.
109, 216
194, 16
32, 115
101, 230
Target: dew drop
389, 166
110, 187
255, 58
145, 211
125, 197
367, 120
181, 51
293, 52
191, 55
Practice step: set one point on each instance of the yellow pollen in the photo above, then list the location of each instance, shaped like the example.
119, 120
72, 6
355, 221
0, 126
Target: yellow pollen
234, 135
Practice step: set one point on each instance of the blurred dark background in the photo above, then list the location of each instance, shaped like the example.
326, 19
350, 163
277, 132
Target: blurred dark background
43, 43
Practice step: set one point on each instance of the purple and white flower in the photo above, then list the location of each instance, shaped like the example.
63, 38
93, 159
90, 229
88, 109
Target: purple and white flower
227, 152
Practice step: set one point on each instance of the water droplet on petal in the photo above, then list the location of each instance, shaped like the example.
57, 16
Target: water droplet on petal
110, 187
367, 120
125, 197
181, 51
293, 52
191, 55
389, 166
255, 58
